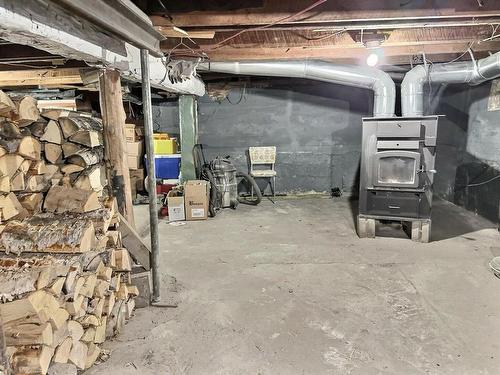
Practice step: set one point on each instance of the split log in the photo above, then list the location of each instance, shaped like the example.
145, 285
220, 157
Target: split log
75, 330
29, 148
35, 308
17, 182
70, 148
93, 352
9, 164
31, 359
86, 158
27, 111
3, 151
29, 334
52, 133
78, 354
9, 130
36, 183
11, 208
61, 199
37, 129
31, 202
4, 184
25, 166
62, 352
56, 114
7, 106
48, 233
53, 153
93, 178
73, 125
70, 168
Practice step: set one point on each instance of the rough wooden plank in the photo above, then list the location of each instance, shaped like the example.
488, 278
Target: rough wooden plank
113, 119
134, 244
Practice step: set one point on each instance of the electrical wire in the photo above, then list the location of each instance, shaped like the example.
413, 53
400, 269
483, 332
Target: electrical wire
242, 95
257, 28
483, 182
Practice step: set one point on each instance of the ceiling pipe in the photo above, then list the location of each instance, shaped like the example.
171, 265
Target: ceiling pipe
374, 79
469, 72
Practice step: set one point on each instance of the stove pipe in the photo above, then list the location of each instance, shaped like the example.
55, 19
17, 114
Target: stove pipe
358, 76
470, 72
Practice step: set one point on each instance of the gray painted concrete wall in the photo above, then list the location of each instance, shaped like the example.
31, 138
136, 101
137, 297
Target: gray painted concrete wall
469, 150
317, 129
315, 126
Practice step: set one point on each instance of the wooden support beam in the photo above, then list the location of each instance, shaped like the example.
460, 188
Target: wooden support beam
41, 77
392, 54
330, 12
113, 120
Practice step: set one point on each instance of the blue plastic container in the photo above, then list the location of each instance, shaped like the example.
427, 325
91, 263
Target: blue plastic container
167, 166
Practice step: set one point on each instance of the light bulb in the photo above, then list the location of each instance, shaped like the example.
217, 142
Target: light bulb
372, 59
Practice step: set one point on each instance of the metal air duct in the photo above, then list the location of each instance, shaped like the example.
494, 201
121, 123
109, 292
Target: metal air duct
358, 76
469, 72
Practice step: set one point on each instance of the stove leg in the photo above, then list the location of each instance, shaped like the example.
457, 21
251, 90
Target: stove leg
421, 231
366, 227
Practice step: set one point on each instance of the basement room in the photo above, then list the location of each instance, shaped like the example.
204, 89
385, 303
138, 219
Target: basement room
250, 187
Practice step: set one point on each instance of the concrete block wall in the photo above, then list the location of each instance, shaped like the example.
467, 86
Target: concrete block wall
315, 126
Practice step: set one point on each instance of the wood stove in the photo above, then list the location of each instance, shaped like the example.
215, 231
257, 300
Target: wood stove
397, 172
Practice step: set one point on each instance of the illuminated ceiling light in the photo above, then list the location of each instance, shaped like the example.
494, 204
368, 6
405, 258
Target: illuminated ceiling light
372, 59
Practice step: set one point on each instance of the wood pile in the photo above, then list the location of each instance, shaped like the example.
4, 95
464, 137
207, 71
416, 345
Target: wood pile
65, 276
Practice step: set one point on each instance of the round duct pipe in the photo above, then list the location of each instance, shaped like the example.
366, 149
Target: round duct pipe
357, 76
468, 72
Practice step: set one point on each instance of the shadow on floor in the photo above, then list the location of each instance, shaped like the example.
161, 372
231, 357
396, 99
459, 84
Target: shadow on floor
448, 221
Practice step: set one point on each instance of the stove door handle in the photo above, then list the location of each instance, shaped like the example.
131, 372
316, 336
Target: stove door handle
394, 207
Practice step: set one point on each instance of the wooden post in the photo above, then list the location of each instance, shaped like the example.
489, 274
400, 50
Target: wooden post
115, 147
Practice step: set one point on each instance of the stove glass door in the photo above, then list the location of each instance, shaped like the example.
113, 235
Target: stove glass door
396, 168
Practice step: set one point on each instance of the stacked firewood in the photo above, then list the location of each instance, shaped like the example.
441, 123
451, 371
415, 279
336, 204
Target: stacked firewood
65, 277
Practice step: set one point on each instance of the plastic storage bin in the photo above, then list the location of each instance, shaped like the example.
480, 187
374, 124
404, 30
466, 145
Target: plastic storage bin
167, 166
164, 145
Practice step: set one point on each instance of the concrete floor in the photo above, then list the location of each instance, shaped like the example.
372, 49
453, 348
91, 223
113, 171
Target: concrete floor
288, 288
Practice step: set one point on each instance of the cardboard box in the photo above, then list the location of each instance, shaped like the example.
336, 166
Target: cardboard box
129, 131
135, 148
133, 133
196, 198
134, 162
175, 204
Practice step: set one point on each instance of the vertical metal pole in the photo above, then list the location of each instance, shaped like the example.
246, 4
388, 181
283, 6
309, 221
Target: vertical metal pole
153, 209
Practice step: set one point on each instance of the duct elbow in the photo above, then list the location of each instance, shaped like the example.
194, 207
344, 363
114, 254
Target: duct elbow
412, 92
384, 91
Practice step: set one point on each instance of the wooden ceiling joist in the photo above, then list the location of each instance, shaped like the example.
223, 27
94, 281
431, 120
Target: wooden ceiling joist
332, 11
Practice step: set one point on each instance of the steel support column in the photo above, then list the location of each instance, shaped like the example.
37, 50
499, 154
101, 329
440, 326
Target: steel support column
188, 120
153, 209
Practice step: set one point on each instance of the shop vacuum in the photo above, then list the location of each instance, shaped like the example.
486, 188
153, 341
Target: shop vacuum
224, 179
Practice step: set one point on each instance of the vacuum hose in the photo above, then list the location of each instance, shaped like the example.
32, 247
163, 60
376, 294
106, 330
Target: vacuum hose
256, 189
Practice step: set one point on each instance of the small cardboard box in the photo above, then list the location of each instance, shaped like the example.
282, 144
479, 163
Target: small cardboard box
129, 132
175, 204
134, 162
196, 197
134, 148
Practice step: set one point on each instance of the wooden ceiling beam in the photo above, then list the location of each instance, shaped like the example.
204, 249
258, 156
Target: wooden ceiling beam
332, 11
399, 53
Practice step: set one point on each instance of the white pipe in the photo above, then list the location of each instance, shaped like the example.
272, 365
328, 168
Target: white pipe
357, 76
